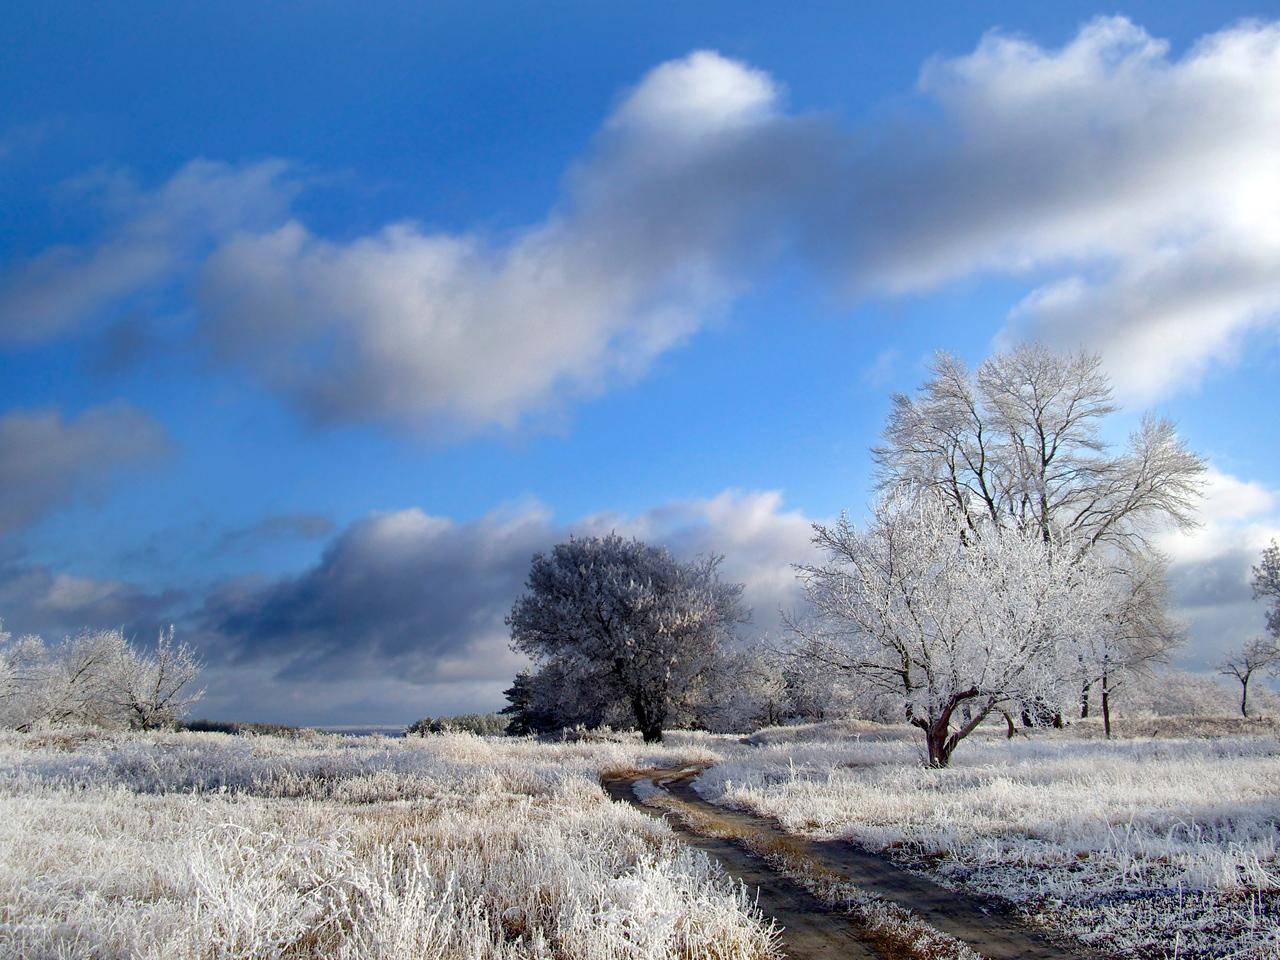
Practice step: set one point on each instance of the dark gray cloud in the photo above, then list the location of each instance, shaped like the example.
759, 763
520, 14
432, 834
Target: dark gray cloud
406, 600
47, 460
280, 526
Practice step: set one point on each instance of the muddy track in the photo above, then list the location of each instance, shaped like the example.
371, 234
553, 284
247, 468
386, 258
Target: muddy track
810, 929
981, 924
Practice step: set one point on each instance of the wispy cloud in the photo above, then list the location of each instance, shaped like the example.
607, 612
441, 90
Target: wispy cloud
47, 460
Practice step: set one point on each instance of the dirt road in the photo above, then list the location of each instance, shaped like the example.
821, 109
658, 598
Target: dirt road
811, 927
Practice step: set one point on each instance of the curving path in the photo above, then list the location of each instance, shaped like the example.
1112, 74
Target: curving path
812, 929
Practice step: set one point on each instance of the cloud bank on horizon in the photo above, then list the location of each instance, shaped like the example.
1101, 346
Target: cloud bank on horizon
1134, 193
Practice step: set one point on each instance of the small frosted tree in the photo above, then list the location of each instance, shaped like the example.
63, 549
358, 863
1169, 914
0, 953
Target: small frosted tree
96, 677
1257, 655
1134, 631
956, 621
629, 620
150, 689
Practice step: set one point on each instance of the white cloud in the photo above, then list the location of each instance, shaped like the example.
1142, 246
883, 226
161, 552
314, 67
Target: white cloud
1136, 189
410, 325
1235, 514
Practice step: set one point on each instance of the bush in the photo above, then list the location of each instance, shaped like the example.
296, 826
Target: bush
236, 729
481, 724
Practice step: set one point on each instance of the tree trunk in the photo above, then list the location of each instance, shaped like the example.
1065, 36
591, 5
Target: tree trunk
936, 735
1244, 697
1008, 719
1084, 702
650, 718
1106, 706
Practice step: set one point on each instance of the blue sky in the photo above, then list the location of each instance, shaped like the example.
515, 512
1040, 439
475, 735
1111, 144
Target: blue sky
294, 299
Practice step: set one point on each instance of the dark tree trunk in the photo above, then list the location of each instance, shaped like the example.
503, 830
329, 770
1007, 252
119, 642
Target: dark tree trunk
941, 741
936, 736
650, 718
1106, 706
1084, 703
1244, 696
1008, 719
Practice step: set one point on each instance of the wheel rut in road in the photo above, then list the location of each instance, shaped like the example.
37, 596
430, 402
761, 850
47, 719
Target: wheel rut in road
981, 924
810, 930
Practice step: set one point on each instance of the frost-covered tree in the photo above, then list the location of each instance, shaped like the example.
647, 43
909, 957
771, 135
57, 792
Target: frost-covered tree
151, 688
96, 677
1019, 444
1266, 585
627, 619
955, 626
1134, 631
1257, 655
745, 690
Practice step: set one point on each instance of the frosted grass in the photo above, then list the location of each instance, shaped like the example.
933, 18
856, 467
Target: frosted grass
183, 846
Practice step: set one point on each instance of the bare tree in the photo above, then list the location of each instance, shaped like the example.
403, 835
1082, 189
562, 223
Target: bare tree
955, 626
1019, 444
151, 689
1260, 653
1266, 584
1134, 633
627, 618
96, 677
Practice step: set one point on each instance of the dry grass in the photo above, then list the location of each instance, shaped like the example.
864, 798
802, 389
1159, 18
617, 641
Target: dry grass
1135, 846
206, 846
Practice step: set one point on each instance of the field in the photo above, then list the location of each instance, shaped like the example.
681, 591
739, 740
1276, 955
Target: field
206, 845
177, 845
1141, 847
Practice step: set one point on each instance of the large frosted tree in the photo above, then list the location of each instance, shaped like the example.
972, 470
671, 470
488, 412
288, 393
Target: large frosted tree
1018, 444
953, 625
627, 620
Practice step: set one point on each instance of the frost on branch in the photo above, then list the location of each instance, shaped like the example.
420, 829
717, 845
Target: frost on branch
619, 623
956, 621
97, 677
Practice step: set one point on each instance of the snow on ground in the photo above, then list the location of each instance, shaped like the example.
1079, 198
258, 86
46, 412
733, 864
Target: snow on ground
205, 845
1144, 847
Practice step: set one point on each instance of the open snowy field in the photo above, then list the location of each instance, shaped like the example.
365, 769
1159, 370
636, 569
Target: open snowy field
176, 845
1143, 847
205, 845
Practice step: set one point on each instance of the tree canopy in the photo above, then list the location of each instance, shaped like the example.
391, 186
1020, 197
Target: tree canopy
624, 620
